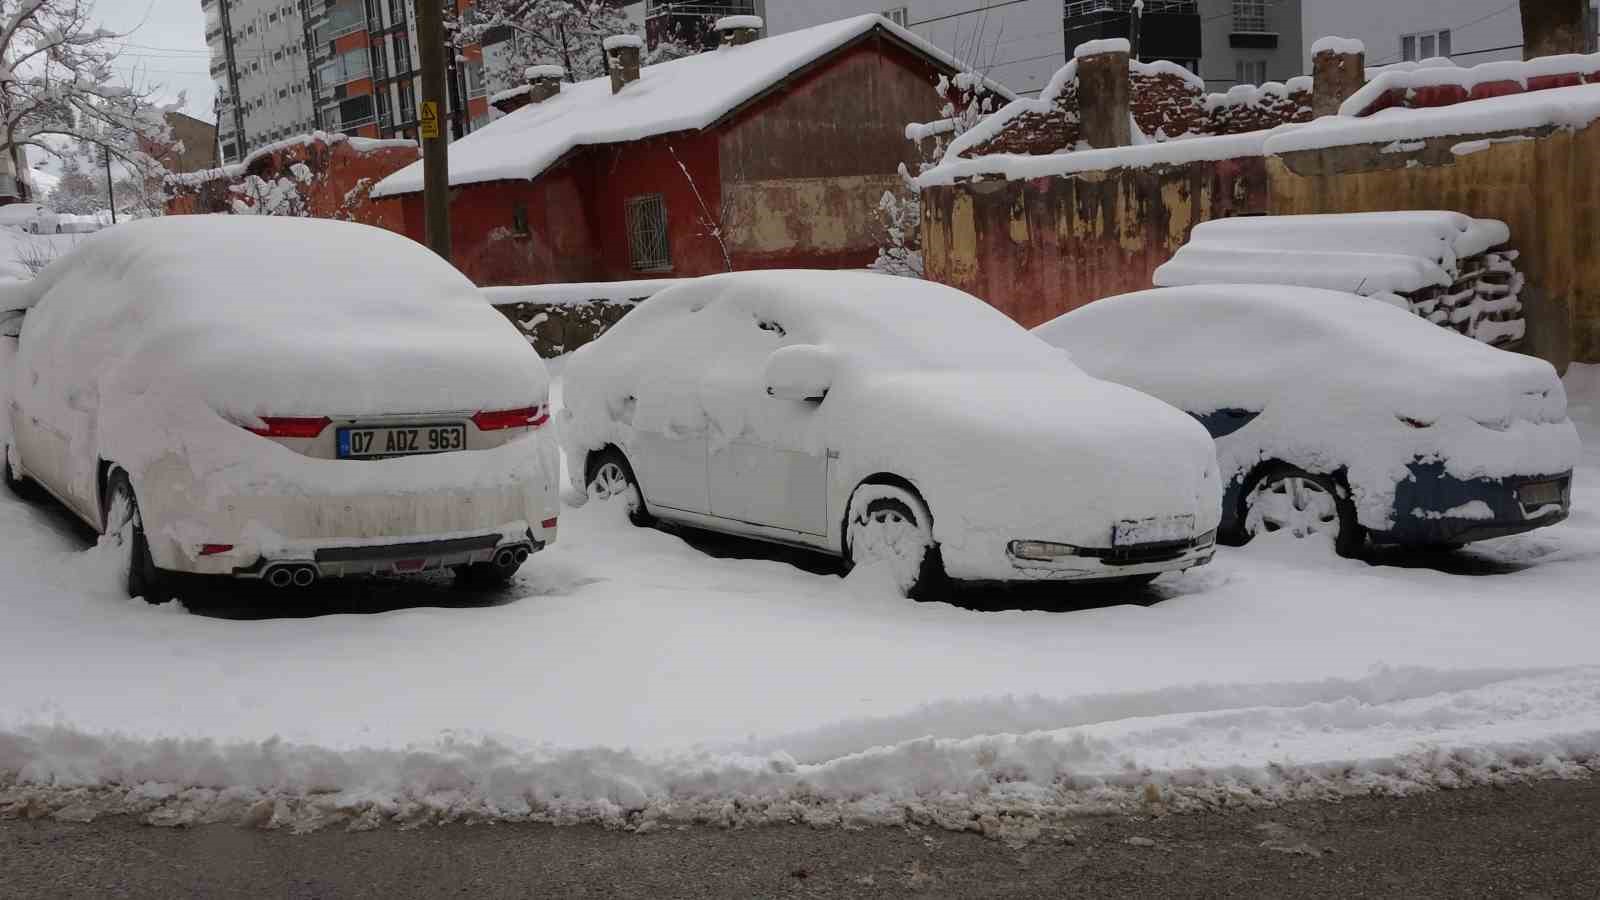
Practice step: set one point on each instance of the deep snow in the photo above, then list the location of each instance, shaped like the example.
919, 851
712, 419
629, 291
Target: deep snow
639, 680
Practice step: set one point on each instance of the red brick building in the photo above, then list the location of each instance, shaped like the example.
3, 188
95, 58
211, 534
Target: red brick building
759, 154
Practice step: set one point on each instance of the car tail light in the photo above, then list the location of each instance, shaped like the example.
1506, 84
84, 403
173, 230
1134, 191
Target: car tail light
548, 523
214, 549
291, 426
526, 417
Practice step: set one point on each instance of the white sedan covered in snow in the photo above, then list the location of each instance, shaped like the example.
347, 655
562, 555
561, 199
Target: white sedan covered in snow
885, 419
1340, 416
280, 399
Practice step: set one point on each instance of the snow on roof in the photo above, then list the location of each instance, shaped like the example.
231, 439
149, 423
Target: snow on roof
1363, 253
682, 95
1333, 44
1426, 74
1105, 45
1569, 107
499, 97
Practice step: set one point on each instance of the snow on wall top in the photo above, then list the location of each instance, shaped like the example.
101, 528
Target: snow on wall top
728, 23
618, 41
1333, 44
1570, 107
544, 71
1427, 74
682, 95
1363, 253
1015, 167
235, 170
1105, 45
577, 293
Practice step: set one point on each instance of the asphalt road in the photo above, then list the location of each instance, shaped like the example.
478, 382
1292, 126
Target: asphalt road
1525, 841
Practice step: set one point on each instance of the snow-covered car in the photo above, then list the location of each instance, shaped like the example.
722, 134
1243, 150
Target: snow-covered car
885, 419
1339, 416
255, 397
30, 217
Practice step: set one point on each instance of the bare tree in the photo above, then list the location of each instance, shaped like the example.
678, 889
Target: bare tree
56, 82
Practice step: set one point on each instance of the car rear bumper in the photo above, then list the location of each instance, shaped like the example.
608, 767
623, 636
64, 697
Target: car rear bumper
1433, 507
352, 535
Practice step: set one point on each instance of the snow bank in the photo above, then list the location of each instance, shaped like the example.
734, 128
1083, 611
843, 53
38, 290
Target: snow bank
974, 400
681, 95
1340, 382
1568, 107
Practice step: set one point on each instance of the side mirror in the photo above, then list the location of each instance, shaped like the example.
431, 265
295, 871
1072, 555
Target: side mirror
800, 372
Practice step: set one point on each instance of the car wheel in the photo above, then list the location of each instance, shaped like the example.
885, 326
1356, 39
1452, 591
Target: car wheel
611, 476
1303, 504
126, 529
891, 525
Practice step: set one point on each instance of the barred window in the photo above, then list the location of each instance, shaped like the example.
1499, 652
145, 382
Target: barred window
647, 233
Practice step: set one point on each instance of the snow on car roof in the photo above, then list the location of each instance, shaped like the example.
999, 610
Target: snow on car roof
1210, 347
882, 318
681, 95
275, 316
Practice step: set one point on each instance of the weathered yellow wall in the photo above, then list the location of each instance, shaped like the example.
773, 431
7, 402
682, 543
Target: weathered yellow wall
782, 215
1546, 187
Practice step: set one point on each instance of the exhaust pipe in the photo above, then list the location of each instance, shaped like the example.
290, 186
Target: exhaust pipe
521, 555
505, 559
303, 576
280, 577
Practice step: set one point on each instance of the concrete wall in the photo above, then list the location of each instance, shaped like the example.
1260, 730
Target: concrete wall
1547, 190
1037, 249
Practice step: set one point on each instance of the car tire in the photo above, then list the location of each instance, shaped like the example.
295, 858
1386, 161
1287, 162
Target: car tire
610, 476
125, 526
888, 524
1286, 498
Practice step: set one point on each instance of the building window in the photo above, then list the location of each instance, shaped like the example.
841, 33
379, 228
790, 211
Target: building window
1249, 15
647, 233
897, 15
1250, 71
1424, 45
519, 219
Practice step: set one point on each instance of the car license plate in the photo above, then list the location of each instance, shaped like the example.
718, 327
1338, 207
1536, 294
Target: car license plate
1541, 493
405, 440
1156, 530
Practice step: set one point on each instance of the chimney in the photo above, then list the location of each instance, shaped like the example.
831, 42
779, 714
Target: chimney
1103, 92
622, 57
544, 82
739, 30
1338, 70
1551, 27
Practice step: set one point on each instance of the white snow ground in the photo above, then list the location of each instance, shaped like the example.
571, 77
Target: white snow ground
641, 682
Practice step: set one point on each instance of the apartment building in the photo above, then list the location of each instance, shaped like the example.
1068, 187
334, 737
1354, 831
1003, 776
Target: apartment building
288, 67
1225, 42
1467, 31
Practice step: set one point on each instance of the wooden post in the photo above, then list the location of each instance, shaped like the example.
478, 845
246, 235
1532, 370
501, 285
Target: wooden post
1552, 27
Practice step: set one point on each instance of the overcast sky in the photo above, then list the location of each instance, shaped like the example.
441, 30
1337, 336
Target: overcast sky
167, 46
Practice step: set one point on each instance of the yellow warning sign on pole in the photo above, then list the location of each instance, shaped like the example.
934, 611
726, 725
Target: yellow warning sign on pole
428, 119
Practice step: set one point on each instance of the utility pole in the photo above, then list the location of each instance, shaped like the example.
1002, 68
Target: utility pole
111, 190
435, 140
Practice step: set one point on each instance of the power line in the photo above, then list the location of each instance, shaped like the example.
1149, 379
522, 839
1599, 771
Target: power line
1483, 18
966, 12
